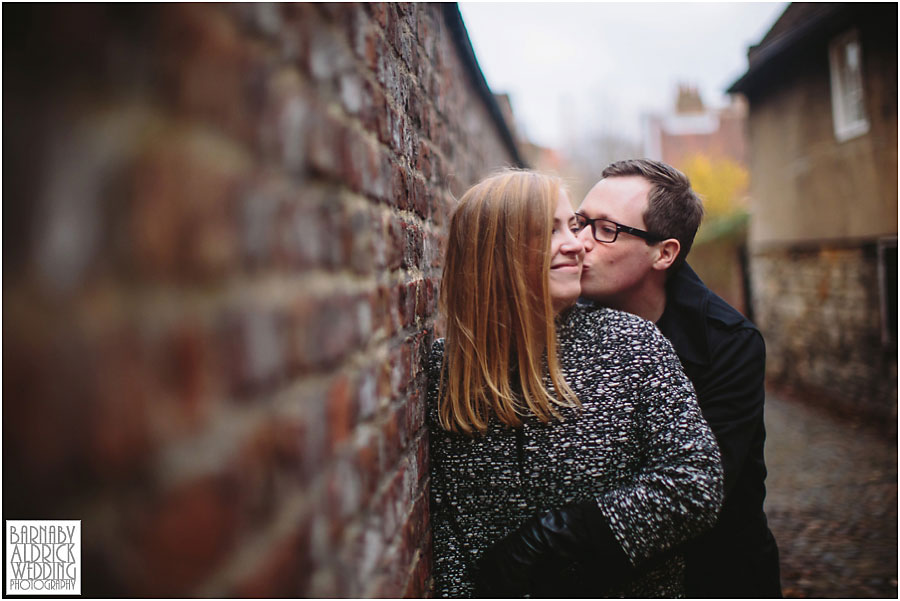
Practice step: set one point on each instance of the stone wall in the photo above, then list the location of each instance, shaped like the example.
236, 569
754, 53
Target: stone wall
818, 308
222, 249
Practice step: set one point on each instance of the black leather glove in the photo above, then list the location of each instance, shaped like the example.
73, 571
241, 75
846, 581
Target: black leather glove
542, 557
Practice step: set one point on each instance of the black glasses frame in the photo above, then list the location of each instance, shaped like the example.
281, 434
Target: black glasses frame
584, 221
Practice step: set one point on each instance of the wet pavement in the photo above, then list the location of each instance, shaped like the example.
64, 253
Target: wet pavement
832, 503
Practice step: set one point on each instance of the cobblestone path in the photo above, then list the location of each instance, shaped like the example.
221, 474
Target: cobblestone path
832, 504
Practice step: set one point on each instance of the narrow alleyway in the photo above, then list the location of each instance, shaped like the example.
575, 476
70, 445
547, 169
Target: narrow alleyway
832, 503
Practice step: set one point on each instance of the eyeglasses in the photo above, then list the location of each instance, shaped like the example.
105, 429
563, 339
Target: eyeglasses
607, 231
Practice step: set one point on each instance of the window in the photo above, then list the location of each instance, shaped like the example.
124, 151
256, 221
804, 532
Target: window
847, 103
887, 284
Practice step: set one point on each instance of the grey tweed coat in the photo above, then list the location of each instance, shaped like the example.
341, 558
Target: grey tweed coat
638, 446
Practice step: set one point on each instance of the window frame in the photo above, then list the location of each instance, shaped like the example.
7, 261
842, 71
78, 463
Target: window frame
845, 126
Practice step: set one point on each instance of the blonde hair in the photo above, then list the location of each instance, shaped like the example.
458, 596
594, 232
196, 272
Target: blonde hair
495, 296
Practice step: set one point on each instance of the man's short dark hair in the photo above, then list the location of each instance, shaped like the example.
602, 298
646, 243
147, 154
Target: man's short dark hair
673, 210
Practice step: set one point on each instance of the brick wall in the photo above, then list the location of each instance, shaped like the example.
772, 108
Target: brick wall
818, 308
222, 247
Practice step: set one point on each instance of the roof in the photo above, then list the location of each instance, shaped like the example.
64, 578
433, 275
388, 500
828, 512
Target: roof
464, 47
800, 25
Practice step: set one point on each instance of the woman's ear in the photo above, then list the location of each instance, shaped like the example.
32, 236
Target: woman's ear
667, 252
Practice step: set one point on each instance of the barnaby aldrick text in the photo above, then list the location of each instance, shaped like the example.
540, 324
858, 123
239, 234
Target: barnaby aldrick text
41, 558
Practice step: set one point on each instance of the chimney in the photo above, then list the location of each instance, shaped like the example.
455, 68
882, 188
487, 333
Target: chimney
689, 100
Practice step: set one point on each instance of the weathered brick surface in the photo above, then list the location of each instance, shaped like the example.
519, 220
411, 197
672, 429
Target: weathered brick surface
821, 320
223, 230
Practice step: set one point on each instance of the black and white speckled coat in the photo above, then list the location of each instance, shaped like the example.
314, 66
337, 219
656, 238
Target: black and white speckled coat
639, 446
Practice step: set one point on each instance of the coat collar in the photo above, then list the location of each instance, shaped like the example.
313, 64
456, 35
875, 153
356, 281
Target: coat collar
684, 320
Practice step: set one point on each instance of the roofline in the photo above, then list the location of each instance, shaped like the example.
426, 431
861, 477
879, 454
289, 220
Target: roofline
782, 44
463, 44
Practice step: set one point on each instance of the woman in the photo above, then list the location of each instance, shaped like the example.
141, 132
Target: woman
569, 456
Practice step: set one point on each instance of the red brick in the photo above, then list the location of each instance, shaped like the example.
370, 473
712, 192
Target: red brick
400, 182
400, 135
355, 232
119, 438
285, 571
335, 11
367, 393
363, 164
424, 27
395, 235
189, 383
329, 54
183, 223
358, 29
421, 456
385, 375
47, 452
413, 246
324, 330
253, 348
420, 301
421, 349
324, 145
379, 186
415, 110
402, 41
369, 112
367, 462
184, 535
423, 161
314, 448
341, 410
391, 436
382, 310
253, 472
392, 574
379, 12
414, 530
410, 51
345, 494
431, 290
286, 118
288, 438
442, 138
383, 117
416, 586
208, 66
353, 93
407, 303
414, 415
306, 229
441, 175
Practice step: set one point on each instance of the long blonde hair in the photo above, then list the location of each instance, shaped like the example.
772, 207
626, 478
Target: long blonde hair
495, 296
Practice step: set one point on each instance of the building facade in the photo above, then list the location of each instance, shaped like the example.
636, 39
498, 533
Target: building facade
692, 129
822, 92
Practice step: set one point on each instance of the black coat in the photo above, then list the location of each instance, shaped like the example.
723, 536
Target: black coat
724, 356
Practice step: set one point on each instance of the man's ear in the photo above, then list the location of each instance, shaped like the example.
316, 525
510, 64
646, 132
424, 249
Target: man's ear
667, 252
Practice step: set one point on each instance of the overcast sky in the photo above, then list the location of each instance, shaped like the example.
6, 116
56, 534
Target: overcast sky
571, 68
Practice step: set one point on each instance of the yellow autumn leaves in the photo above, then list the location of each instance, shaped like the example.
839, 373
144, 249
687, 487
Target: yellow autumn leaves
723, 185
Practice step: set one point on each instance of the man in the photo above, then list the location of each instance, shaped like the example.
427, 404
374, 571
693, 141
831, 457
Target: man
638, 224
